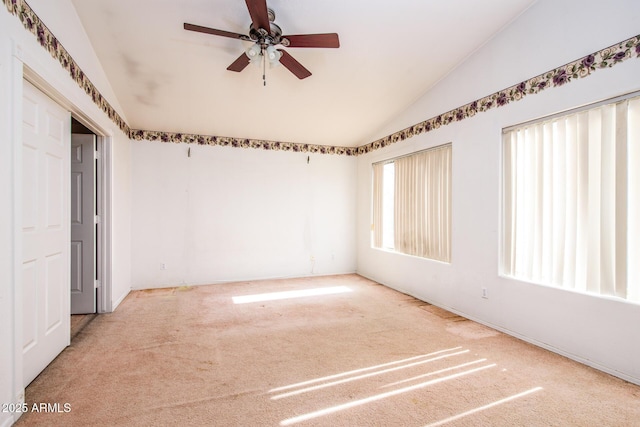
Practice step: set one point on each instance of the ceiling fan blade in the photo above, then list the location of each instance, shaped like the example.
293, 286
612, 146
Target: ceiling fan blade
259, 14
294, 66
314, 40
207, 30
239, 64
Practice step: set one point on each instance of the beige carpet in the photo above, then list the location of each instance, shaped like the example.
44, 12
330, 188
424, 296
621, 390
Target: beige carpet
79, 322
367, 357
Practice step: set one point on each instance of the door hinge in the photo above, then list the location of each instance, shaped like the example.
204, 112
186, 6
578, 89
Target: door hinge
96, 284
96, 219
96, 155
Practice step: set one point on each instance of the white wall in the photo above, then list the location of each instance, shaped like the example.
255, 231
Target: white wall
7, 313
18, 47
594, 330
121, 190
230, 214
61, 18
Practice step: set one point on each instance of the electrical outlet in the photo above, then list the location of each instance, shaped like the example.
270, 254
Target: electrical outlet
485, 294
163, 266
312, 258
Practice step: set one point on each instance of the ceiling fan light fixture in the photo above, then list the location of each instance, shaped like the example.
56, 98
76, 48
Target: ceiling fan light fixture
254, 51
273, 55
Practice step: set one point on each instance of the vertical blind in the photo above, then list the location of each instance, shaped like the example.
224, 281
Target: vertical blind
377, 204
421, 204
572, 203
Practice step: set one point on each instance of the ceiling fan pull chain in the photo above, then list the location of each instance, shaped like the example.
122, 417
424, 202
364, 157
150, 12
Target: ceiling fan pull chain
264, 69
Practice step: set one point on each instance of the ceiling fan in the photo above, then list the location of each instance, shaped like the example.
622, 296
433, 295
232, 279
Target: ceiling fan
265, 36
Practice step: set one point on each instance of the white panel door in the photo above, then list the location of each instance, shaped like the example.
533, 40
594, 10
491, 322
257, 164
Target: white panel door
83, 229
46, 138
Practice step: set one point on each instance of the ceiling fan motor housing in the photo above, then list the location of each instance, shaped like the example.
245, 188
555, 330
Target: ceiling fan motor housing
271, 38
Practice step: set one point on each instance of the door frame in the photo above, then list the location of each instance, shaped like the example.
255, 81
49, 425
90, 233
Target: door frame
19, 71
103, 229
103, 188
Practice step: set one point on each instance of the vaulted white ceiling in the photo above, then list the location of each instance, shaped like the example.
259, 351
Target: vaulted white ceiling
391, 52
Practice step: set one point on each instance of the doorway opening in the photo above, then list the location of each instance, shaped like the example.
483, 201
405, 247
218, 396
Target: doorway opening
85, 230
42, 126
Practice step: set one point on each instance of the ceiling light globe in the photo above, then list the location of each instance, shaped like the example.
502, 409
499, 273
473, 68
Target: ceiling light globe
273, 54
254, 51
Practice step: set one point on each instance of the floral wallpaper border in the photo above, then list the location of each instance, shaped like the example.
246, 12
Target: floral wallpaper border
580, 68
49, 42
148, 135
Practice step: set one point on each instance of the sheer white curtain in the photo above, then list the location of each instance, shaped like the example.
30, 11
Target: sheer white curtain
423, 204
571, 204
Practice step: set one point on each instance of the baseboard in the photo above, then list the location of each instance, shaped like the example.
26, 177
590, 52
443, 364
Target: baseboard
8, 421
119, 300
12, 417
556, 350
238, 280
553, 349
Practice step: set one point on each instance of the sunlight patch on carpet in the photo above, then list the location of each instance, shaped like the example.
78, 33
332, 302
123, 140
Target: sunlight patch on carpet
367, 375
273, 296
482, 408
359, 402
357, 371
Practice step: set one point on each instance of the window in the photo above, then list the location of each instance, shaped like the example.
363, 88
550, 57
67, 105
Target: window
412, 204
571, 200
